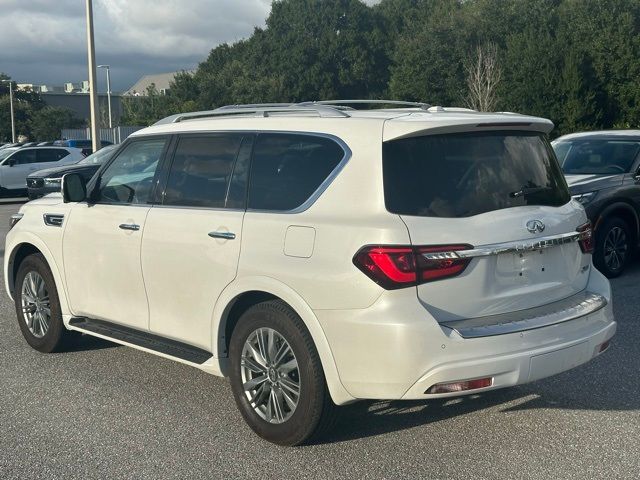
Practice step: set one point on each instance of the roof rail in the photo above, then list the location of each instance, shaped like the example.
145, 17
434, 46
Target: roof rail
346, 103
256, 110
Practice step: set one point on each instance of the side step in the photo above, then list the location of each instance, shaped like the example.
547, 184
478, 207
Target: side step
146, 340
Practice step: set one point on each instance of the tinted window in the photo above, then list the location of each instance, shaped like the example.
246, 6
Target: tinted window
100, 156
460, 175
129, 178
51, 154
287, 169
201, 171
23, 157
597, 156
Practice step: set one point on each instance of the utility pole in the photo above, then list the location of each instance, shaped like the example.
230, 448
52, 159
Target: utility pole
108, 92
13, 120
93, 94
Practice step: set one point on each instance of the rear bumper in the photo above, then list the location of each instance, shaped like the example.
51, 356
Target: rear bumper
396, 350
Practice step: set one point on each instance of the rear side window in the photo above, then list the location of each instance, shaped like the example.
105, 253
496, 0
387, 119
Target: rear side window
51, 154
201, 171
465, 174
287, 169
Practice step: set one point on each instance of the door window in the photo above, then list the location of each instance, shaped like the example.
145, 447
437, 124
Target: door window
44, 155
201, 171
129, 178
23, 157
287, 169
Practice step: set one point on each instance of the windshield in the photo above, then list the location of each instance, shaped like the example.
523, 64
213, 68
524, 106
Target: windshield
465, 174
99, 157
5, 152
596, 156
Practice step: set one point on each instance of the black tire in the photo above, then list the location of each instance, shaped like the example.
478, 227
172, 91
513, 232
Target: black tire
614, 247
56, 335
315, 411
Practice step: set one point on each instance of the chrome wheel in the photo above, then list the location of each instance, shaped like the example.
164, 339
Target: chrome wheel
35, 304
270, 376
615, 248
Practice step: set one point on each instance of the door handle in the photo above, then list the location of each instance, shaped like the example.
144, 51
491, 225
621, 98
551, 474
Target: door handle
223, 235
129, 226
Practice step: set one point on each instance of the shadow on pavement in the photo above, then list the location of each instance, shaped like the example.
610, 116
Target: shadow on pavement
82, 343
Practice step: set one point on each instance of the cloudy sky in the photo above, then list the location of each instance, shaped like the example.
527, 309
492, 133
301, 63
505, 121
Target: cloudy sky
44, 41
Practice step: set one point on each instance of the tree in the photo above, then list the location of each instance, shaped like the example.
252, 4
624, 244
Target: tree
483, 74
48, 122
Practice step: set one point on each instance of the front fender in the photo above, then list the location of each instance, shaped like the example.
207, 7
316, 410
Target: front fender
13, 242
278, 289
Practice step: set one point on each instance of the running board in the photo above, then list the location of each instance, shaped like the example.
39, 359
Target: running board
146, 340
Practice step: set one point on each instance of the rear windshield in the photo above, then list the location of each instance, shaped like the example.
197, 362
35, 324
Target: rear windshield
464, 174
597, 156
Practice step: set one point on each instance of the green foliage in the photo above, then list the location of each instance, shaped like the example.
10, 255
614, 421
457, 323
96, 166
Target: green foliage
48, 122
574, 61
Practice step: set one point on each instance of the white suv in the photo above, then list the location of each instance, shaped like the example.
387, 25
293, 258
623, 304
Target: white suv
17, 163
318, 255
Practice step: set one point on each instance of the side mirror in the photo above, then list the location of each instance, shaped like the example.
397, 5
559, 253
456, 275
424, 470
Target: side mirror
10, 163
74, 188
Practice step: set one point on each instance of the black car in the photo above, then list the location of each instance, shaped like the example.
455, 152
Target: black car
603, 173
42, 182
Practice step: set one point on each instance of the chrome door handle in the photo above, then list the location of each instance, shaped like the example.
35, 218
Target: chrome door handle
129, 226
223, 235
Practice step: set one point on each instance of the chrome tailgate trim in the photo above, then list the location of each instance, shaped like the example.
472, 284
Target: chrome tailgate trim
576, 306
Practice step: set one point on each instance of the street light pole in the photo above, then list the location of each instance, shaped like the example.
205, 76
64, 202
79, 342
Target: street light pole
13, 121
93, 96
108, 92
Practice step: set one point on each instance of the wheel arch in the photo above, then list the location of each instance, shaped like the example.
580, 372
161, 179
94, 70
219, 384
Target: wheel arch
19, 251
624, 211
241, 295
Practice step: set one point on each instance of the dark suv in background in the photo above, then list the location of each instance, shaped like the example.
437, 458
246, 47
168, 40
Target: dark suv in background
603, 173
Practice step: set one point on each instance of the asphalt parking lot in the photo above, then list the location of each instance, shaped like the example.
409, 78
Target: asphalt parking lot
104, 411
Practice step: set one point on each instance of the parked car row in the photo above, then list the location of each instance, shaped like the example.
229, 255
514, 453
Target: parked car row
318, 255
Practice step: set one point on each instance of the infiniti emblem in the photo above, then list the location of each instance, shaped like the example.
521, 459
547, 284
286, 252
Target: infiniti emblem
535, 226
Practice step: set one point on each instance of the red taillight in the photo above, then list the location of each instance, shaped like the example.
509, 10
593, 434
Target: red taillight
398, 266
460, 386
586, 238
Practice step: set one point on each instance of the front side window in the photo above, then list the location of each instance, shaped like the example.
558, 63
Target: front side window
201, 171
597, 156
465, 174
24, 157
129, 178
287, 169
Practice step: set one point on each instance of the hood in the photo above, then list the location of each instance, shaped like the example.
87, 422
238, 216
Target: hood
51, 199
63, 170
591, 183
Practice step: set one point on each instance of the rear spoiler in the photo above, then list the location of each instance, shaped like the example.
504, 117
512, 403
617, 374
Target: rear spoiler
420, 124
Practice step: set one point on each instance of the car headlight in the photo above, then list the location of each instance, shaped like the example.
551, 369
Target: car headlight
52, 182
584, 198
15, 218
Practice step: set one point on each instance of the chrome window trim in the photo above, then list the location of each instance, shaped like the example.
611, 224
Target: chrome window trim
535, 244
579, 305
312, 198
308, 203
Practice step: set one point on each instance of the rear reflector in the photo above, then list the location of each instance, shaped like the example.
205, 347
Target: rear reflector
460, 386
586, 237
394, 267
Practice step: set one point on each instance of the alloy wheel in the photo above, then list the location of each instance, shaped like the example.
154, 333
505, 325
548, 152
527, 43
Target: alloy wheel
35, 304
270, 375
615, 248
